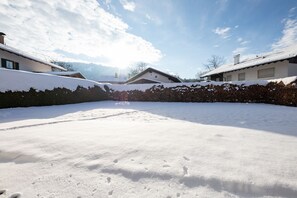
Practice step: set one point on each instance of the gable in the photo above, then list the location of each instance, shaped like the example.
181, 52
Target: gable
155, 76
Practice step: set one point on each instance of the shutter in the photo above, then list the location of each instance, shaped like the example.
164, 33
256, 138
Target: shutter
3, 62
266, 73
241, 76
16, 66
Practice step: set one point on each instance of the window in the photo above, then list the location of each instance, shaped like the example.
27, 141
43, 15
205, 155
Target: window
9, 64
229, 78
241, 76
266, 73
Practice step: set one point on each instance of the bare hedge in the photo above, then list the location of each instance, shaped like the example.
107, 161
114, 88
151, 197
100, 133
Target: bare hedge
272, 93
57, 96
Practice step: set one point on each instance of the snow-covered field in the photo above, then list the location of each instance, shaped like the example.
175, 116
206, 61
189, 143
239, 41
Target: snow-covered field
110, 149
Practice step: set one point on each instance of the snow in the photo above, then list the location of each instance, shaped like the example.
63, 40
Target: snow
63, 72
143, 87
16, 80
114, 149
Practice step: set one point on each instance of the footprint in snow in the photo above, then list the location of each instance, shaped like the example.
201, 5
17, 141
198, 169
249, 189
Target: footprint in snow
108, 179
185, 169
110, 192
166, 166
15, 195
186, 158
115, 161
2, 192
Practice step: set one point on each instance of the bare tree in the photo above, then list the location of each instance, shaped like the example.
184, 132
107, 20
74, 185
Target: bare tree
214, 62
140, 67
199, 74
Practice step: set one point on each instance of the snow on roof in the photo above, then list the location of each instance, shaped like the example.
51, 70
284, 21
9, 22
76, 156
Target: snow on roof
76, 74
105, 78
173, 78
17, 80
64, 72
24, 55
258, 60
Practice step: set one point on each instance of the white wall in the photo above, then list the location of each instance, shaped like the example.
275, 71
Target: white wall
281, 71
25, 64
155, 77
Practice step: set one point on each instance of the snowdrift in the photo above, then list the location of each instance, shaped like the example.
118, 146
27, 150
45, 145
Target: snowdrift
23, 89
20, 89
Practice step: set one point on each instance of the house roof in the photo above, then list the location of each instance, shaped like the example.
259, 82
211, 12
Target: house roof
150, 69
67, 73
145, 81
24, 55
111, 79
270, 57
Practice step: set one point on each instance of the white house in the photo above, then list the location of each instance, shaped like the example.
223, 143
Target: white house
272, 65
151, 75
12, 58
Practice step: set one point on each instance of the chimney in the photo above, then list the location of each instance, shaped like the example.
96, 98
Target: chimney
236, 59
2, 37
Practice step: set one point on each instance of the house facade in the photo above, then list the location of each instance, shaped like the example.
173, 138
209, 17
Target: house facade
151, 75
272, 65
12, 58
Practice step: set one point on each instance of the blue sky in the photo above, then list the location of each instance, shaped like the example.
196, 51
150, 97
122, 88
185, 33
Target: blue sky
185, 31
176, 36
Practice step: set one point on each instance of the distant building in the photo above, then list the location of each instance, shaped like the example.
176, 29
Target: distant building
272, 65
116, 79
12, 58
151, 75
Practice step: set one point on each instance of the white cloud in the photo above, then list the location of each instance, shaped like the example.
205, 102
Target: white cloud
222, 5
289, 36
241, 41
128, 5
239, 50
148, 17
108, 1
292, 11
244, 42
108, 4
155, 19
73, 31
222, 32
